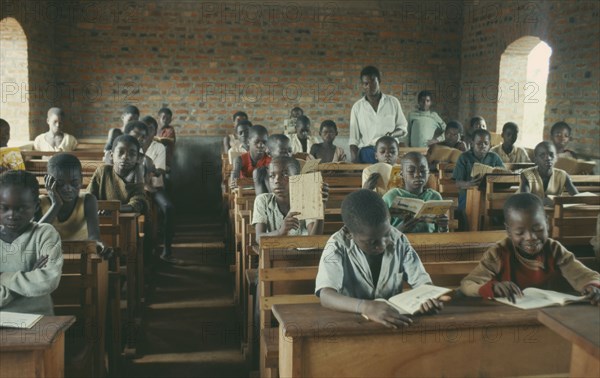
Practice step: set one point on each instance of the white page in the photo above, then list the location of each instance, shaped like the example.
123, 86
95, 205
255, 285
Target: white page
18, 320
538, 298
306, 197
410, 301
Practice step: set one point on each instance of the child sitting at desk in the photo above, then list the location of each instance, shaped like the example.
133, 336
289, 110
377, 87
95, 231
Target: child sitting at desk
415, 174
327, 151
130, 113
229, 140
55, 139
561, 136
73, 214
118, 181
271, 214
386, 151
476, 123
277, 145
239, 145
256, 157
369, 259
301, 141
31, 253
479, 153
543, 179
528, 258
508, 152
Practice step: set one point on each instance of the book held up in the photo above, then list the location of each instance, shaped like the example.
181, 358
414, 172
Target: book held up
419, 208
306, 197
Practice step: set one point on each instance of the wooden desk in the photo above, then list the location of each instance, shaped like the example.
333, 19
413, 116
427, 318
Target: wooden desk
471, 337
35, 352
135, 276
579, 325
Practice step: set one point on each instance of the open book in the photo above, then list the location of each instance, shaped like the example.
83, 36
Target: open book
482, 170
537, 298
409, 302
306, 197
18, 320
11, 158
421, 208
575, 166
444, 153
388, 173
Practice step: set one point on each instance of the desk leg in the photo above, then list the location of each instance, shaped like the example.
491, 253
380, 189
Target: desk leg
129, 241
290, 355
583, 364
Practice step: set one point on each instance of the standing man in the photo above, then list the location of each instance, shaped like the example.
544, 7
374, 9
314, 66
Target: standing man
373, 116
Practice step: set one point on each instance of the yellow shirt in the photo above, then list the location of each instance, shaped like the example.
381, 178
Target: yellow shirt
75, 227
517, 155
556, 185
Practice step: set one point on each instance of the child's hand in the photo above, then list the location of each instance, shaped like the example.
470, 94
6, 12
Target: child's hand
442, 223
40, 263
105, 252
290, 222
593, 294
548, 202
325, 191
475, 181
371, 182
408, 224
53, 192
507, 289
432, 306
385, 314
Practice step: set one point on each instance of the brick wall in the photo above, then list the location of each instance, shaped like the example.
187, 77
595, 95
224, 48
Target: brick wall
570, 28
206, 60
36, 19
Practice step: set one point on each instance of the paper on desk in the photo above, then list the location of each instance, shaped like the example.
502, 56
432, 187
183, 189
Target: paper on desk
306, 197
18, 320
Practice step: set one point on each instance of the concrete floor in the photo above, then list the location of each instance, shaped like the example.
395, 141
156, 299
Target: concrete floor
190, 327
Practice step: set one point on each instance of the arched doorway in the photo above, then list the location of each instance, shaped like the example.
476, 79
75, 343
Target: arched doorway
523, 80
14, 77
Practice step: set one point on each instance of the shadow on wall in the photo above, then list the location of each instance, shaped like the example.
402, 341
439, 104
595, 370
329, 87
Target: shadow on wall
196, 177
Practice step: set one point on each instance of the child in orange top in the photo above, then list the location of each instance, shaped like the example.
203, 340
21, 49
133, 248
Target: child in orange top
244, 165
528, 258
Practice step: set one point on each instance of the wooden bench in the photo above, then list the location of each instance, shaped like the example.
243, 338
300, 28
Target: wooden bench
83, 292
574, 220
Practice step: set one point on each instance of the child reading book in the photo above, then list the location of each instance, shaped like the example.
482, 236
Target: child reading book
479, 153
527, 257
561, 136
415, 174
386, 152
543, 179
30, 253
327, 151
271, 214
508, 152
424, 125
73, 214
361, 262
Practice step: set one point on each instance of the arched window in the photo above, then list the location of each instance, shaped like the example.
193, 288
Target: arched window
523, 79
14, 78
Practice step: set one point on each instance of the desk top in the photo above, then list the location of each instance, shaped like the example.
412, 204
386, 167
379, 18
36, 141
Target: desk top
460, 313
578, 324
40, 336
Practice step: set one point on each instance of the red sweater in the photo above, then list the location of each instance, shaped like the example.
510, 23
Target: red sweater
248, 167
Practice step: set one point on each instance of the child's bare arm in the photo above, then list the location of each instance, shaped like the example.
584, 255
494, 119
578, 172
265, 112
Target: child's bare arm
226, 143
371, 182
90, 209
469, 184
376, 311
571, 187
55, 198
235, 173
259, 176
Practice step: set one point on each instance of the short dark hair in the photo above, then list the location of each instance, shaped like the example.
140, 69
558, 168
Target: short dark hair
559, 126
166, 111
371, 71
386, 139
112, 135
126, 139
289, 162
423, 94
328, 123
544, 144
274, 139
476, 119
302, 120
455, 125
21, 179
56, 112
63, 162
363, 208
3, 123
149, 121
510, 126
297, 108
523, 202
239, 114
130, 109
257, 130
482, 133
135, 125
244, 122
413, 155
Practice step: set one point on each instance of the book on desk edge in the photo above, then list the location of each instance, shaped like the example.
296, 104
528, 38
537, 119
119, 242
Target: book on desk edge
410, 301
538, 298
18, 320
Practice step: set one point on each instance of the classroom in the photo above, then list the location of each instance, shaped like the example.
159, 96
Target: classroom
299, 188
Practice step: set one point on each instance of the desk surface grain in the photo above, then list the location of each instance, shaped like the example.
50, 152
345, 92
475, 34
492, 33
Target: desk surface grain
40, 336
307, 320
578, 324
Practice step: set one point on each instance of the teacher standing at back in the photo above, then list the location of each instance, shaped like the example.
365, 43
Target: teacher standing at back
373, 116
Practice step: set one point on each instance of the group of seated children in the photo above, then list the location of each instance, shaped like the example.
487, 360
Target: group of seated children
369, 259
